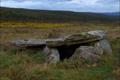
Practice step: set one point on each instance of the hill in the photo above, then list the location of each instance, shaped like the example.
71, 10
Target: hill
117, 14
52, 16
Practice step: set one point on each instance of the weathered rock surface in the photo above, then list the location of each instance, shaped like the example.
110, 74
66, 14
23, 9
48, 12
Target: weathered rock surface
87, 45
33, 42
103, 43
100, 33
89, 53
73, 40
52, 55
66, 41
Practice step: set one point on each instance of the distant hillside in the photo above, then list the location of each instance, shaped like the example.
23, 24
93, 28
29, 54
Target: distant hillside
113, 14
51, 16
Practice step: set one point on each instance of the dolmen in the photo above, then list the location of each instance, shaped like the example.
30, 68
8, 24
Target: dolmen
88, 45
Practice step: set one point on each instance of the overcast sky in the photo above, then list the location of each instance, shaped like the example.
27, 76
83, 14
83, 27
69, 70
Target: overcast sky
69, 5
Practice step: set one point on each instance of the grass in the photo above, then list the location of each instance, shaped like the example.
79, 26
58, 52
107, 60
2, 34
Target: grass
14, 24
10, 30
26, 65
29, 65
21, 66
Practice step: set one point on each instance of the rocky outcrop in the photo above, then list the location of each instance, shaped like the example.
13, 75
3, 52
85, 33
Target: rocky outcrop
52, 55
73, 40
103, 43
66, 41
87, 45
88, 53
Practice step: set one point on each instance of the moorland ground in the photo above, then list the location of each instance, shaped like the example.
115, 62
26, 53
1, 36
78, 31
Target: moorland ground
29, 64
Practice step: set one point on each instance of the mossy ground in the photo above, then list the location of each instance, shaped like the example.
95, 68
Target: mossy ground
29, 65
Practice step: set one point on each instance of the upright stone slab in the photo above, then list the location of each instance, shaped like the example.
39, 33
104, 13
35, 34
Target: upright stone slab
105, 45
52, 55
89, 53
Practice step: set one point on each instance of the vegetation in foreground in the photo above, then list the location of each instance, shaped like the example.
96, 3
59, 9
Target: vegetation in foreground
28, 65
